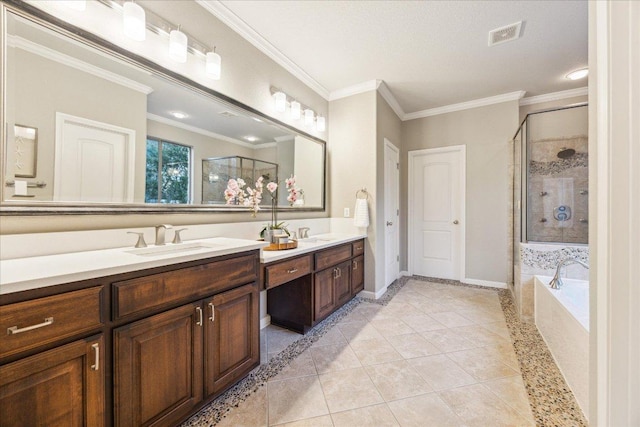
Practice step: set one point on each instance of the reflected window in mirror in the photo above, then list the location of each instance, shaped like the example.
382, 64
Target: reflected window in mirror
168, 172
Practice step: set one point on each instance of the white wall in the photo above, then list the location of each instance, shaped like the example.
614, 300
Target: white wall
486, 131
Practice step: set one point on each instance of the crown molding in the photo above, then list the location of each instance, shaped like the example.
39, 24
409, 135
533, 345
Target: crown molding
354, 90
482, 102
204, 132
391, 100
230, 19
53, 55
555, 96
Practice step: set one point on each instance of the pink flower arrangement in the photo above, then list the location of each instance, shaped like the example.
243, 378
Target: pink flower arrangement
238, 193
294, 193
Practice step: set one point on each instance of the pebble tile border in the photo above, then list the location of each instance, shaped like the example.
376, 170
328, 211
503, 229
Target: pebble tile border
578, 160
550, 398
549, 260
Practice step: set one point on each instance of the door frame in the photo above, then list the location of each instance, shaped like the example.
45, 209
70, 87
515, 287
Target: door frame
63, 118
462, 153
396, 199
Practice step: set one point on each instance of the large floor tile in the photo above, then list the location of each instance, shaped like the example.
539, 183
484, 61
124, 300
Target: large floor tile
413, 345
331, 358
369, 416
331, 337
477, 406
422, 322
512, 391
278, 338
391, 327
295, 399
349, 389
480, 315
250, 413
480, 367
301, 366
377, 350
323, 421
359, 331
451, 319
397, 380
480, 336
447, 340
424, 410
440, 372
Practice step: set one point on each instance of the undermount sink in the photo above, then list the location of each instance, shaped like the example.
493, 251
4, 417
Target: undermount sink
172, 249
319, 238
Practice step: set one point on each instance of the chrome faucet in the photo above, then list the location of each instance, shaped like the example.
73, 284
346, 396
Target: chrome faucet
160, 229
303, 232
556, 282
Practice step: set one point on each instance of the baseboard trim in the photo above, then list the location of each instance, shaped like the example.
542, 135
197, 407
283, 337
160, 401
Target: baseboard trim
373, 295
405, 273
265, 321
487, 283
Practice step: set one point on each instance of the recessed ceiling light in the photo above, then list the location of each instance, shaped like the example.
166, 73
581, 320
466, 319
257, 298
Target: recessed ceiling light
578, 74
257, 119
251, 138
179, 114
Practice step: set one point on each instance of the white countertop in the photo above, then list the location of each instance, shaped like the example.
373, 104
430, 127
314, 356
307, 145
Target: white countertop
23, 274
314, 243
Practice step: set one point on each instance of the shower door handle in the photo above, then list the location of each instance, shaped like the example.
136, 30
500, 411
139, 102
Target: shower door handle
455, 221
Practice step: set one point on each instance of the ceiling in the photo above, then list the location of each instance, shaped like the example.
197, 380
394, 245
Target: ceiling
429, 53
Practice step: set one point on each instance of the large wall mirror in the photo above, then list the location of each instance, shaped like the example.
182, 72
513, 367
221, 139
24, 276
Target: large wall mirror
90, 130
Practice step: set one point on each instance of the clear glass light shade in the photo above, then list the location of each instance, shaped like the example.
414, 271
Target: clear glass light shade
281, 101
296, 111
308, 117
80, 5
178, 46
134, 21
322, 124
214, 65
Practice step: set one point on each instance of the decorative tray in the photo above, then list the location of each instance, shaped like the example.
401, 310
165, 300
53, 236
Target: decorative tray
281, 246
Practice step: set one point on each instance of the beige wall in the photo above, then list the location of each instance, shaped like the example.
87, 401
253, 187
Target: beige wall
486, 132
247, 76
352, 164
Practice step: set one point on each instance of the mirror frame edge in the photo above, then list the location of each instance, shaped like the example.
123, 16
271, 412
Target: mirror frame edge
8, 208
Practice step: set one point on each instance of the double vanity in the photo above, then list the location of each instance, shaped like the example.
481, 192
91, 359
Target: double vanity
147, 336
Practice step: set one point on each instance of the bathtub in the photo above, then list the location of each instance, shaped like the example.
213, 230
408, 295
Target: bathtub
562, 317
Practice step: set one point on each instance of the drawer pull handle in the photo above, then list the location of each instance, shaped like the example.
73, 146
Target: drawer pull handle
355, 265
199, 311
292, 270
358, 248
15, 330
96, 354
213, 312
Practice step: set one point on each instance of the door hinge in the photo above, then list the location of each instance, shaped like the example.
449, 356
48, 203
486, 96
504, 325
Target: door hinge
398, 258
397, 212
398, 166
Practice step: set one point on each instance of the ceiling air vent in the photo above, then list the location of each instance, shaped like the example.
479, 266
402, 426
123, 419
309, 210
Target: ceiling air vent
505, 34
228, 114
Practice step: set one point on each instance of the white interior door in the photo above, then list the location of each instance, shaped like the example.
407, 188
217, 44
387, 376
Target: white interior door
94, 162
391, 212
436, 212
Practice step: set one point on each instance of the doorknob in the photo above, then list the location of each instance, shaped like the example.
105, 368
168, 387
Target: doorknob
389, 223
455, 221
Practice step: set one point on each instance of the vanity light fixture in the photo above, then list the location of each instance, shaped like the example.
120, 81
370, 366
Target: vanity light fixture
79, 5
213, 66
134, 21
281, 101
321, 124
308, 117
178, 46
578, 74
296, 110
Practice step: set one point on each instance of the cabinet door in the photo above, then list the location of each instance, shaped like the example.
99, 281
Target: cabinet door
232, 336
342, 283
158, 367
60, 387
357, 275
324, 293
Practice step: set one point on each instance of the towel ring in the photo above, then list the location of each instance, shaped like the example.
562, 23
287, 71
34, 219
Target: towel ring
362, 190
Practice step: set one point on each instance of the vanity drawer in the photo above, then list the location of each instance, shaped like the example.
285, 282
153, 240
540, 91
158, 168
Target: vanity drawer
187, 284
30, 324
358, 247
286, 271
332, 256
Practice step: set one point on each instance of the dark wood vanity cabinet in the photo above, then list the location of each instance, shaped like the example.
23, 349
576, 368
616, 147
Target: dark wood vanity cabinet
335, 276
141, 348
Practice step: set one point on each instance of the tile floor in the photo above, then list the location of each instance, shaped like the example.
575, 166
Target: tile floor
435, 355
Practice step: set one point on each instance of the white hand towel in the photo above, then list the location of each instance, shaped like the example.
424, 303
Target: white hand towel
361, 213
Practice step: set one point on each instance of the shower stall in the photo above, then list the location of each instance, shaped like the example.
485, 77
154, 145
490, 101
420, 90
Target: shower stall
550, 196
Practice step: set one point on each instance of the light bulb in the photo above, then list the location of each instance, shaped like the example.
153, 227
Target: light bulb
134, 21
321, 123
281, 101
178, 46
295, 110
214, 65
308, 117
